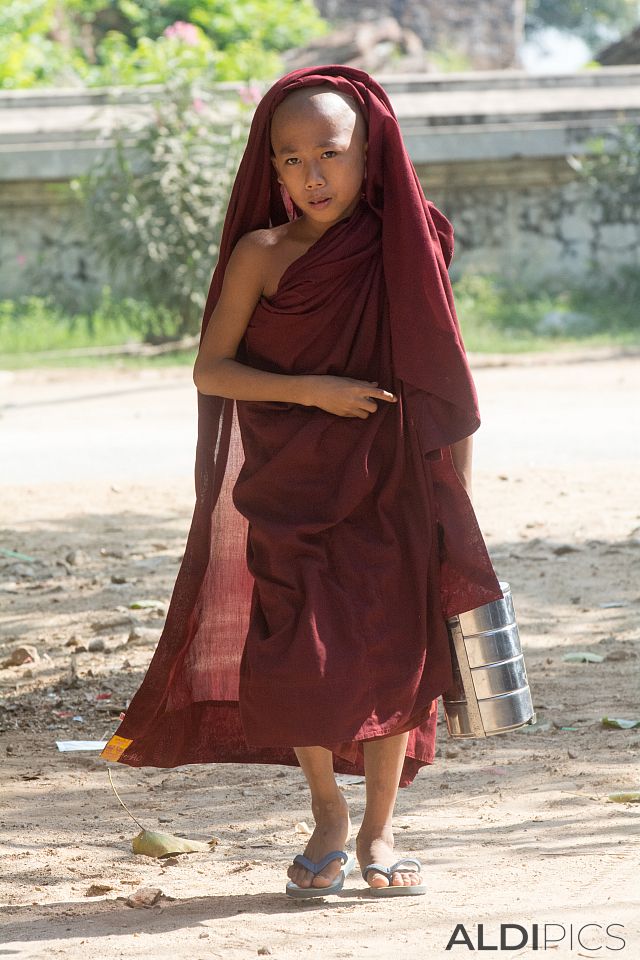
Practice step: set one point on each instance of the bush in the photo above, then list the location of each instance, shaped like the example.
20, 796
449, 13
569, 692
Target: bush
135, 42
154, 208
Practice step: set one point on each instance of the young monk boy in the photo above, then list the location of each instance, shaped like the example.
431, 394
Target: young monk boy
332, 328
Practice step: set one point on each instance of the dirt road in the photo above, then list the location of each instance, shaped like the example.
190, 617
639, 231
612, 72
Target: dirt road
516, 832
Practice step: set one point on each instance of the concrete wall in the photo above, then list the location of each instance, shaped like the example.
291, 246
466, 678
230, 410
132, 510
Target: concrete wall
491, 150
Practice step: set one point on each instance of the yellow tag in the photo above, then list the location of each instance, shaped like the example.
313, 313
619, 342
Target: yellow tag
115, 747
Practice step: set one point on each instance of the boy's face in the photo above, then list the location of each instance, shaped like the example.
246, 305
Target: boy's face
319, 148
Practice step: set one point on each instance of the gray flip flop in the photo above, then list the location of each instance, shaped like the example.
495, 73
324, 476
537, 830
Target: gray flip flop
304, 893
406, 865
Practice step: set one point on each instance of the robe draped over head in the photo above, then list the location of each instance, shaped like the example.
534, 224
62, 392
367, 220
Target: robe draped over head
397, 247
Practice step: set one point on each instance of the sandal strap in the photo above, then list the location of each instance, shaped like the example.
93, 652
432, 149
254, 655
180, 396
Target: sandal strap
399, 865
315, 868
405, 865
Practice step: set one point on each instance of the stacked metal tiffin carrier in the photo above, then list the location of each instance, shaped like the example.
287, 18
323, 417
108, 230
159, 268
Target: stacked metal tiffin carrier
490, 692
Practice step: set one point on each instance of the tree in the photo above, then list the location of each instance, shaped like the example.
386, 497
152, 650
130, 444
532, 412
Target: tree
592, 20
135, 42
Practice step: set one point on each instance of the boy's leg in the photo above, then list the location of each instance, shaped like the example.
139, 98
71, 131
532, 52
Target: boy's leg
330, 812
383, 761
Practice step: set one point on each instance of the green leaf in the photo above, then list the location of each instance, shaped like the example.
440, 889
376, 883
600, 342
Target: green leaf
619, 724
583, 656
631, 796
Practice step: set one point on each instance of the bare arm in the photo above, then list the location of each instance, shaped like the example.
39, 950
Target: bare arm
461, 453
217, 372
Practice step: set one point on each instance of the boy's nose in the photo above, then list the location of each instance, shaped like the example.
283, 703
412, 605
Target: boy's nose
314, 178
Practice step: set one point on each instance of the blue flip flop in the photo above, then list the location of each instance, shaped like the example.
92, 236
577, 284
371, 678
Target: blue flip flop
406, 865
293, 890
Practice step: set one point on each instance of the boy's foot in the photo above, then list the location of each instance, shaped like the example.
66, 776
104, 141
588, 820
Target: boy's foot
333, 829
377, 847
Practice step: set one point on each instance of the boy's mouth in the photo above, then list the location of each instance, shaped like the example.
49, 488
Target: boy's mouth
320, 204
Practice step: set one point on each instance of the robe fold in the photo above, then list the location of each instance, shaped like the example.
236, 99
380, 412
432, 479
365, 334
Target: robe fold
325, 553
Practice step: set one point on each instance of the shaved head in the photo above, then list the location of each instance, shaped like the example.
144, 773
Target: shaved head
318, 103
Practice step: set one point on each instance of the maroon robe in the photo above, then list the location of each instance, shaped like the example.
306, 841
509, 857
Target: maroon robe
325, 552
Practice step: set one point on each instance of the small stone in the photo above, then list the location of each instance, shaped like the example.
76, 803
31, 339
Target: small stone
20, 655
147, 634
144, 897
564, 548
116, 554
77, 558
451, 752
118, 578
113, 624
264, 951
97, 645
71, 642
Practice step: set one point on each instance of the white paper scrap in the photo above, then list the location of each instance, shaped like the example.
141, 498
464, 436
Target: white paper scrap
67, 746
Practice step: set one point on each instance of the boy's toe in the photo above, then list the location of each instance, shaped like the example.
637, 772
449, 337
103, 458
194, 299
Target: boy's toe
405, 878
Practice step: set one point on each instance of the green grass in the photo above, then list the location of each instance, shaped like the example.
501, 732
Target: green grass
495, 318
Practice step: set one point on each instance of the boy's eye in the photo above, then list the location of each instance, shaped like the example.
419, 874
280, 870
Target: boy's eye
291, 161
329, 153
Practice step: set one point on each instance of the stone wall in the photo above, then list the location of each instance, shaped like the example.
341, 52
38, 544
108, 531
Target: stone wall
528, 221
489, 34
492, 151
42, 248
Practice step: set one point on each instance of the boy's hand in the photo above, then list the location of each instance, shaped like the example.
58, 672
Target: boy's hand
346, 397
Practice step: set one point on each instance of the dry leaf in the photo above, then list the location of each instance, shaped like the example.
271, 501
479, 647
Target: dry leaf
97, 890
631, 796
151, 844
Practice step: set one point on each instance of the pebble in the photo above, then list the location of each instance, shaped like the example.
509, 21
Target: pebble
77, 558
20, 655
97, 645
144, 897
142, 633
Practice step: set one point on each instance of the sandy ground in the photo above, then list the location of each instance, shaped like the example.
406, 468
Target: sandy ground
516, 829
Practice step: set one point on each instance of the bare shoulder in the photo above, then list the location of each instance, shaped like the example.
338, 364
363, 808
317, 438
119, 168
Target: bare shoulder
271, 251
264, 241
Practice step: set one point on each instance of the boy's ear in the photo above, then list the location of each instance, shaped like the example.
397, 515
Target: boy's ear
275, 166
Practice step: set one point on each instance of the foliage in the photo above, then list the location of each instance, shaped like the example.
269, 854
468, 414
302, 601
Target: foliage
31, 324
495, 318
591, 21
134, 42
496, 314
154, 208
